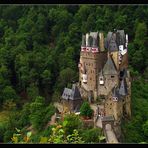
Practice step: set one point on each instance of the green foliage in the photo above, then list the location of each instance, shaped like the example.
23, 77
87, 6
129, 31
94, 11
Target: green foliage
32, 91
13, 119
58, 136
8, 95
39, 53
85, 110
94, 135
74, 138
37, 115
20, 138
137, 126
25, 112
9, 105
48, 112
3, 123
145, 128
71, 122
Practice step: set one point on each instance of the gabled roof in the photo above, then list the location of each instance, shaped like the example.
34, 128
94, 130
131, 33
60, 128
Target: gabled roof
110, 42
72, 94
120, 37
109, 67
75, 94
66, 93
115, 91
114, 39
123, 88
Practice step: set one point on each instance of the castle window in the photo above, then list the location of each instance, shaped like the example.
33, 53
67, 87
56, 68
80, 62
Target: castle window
110, 108
101, 80
115, 99
110, 103
112, 76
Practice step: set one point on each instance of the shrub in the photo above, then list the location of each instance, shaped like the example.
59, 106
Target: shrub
92, 135
85, 110
71, 122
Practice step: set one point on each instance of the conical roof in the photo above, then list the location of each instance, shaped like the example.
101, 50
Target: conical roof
123, 88
115, 91
109, 67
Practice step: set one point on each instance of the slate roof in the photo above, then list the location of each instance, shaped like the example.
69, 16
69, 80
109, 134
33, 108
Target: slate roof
121, 37
75, 94
114, 39
95, 42
90, 40
66, 93
72, 94
109, 67
94, 35
123, 88
125, 73
116, 92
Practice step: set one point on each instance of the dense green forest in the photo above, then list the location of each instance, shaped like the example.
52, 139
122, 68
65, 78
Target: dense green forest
39, 54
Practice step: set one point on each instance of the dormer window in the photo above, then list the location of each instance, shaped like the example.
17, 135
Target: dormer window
101, 80
115, 99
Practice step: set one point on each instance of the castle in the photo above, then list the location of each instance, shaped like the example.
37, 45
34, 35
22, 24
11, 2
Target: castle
104, 77
104, 74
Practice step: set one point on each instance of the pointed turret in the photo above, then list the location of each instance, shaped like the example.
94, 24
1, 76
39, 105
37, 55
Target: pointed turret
109, 67
123, 88
116, 94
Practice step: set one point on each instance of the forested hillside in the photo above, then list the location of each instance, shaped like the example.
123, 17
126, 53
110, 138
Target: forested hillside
39, 54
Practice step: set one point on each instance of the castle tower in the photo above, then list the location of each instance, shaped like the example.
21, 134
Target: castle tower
109, 75
92, 59
116, 43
